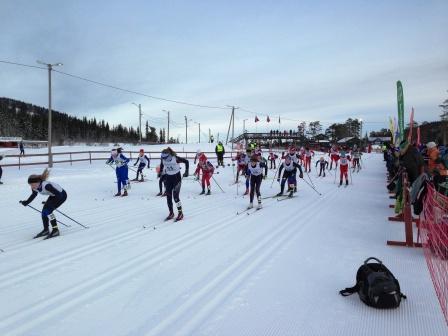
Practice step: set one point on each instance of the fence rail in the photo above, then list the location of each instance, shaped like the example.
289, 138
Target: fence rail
90, 156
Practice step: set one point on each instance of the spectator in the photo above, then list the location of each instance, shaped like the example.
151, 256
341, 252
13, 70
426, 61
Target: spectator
22, 149
411, 160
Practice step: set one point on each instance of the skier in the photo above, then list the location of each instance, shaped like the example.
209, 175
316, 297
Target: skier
343, 166
1, 170
295, 157
56, 197
323, 165
334, 157
272, 159
220, 151
170, 165
242, 160
198, 154
289, 175
308, 154
255, 171
162, 180
207, 173
121, 170
144, 161
356, 154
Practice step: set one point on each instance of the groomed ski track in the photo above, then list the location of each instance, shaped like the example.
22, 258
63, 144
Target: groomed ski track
275, 272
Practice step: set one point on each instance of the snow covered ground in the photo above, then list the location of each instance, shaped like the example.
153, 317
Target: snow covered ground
275, 272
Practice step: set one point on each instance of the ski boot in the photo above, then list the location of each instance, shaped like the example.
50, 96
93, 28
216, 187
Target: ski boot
164, 194
53, 233
43, 233
279, 194
136, 179
141, 179
340, 182
125, 193
259, 203
346, 182
295, 189
117, 194
159, 194
209, 192
291, 193
179, 217
202, 192
251, 205
246, 192
170, 216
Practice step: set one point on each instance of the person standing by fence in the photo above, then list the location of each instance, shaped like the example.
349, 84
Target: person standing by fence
220, 151
22, 148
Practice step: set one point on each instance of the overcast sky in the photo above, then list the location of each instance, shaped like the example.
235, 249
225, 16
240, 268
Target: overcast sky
301, 60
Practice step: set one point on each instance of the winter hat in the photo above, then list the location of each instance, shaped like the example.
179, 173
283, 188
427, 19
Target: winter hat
142, 151
431, 144
202, 158
254, 158
34, 179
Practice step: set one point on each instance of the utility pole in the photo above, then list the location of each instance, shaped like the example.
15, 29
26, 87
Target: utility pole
209, 136
244, 126
199, 132
139, 120
168, 129
231, 124
186, 130
50, 68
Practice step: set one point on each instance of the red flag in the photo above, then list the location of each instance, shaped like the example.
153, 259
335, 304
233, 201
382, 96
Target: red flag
418, 136
268, 120
256, 119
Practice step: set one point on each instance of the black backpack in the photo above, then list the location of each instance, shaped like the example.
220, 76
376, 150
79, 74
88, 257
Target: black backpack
376, 285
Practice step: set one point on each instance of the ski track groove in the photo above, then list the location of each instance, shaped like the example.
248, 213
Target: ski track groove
24, 320
76, 253
107, 219
267, 246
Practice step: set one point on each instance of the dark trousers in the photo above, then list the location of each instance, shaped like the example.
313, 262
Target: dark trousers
1, 172
220, 159
173, 184
50, 205
162, 180
322, 170
273, 164
255, 183
289, 176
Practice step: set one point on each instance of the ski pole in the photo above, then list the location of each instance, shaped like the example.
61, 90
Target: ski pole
312, 187
2, 250
217, 184
41, 213
275, 175
86, 227
351, 178
309, 177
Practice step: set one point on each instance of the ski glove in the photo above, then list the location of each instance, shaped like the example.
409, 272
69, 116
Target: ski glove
24, 203
278, 180
185, 174
301, 176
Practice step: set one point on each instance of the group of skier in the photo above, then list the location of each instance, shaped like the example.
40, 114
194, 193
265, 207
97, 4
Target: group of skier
250, 164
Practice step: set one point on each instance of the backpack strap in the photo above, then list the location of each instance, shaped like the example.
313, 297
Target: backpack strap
372, 258
349, 291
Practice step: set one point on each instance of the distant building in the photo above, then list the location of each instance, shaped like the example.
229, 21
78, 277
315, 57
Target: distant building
378, 140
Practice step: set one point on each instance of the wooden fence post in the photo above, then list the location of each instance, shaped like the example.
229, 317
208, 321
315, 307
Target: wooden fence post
90, 157
71, 164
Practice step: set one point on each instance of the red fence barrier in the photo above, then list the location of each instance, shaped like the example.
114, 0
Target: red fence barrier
434, 229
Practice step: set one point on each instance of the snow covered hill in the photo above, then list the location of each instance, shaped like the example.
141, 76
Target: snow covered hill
274, 272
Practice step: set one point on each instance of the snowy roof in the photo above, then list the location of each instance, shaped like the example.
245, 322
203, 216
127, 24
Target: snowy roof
9, 139
344, 140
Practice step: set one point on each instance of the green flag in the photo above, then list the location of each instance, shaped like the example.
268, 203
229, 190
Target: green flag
400, 101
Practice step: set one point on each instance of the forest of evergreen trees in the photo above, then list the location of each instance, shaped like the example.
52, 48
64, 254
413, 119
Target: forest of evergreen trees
20, 119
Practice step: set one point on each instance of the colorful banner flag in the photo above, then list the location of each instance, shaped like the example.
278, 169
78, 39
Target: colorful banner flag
256, 119
268, 119
418, 136
400, 101
411, 124
397, 133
